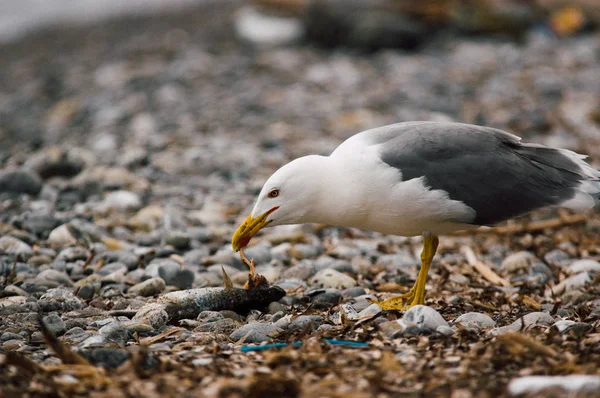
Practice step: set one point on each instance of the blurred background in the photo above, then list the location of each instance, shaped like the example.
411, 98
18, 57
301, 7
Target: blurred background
201, 100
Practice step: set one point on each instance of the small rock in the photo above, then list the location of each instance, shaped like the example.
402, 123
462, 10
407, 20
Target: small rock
152, 314
55, 324
53, 278
557, 257
255, 332
10, 245
124, 200
180, 240
421, 319
584, 265
518, 261
572, 283
475, 320
20, 181
353, 292
326, 299
195, 256
304, 322
570, 383
577, 328
115, 332
86, 292
291, 284
525, 322
72, 254
276, 307
109, 358
261, 253
61, 237
329, 278
302, 270
60, 299
266, 30
150, 287
369, 312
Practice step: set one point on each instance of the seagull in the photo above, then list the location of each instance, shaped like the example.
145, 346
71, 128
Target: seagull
422, 178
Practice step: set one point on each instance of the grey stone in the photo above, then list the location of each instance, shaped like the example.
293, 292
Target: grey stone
518, 261
584, 265
291, 284
557, 257
255, 332
195, 256
86, 292
112, 267
475, 320
276, 307
71, 254
525, 322
398, 261
303, 270
329, 278
304, 322
115, 332
152, 314
53, 278
261, 253
326, 299
353, 292
180, 240
577, 328
124, 200
150, 287
20, 181
369, 312
10, 245
421, 319
60, 299
55, 324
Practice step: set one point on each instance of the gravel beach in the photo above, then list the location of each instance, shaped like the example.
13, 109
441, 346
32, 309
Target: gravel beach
131, 150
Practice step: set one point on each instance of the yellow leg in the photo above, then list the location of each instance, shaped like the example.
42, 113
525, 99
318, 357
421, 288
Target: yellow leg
416, 295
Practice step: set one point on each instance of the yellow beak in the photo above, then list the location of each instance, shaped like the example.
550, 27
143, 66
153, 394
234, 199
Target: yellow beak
249, 228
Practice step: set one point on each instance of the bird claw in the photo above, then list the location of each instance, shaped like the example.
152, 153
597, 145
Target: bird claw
401, 302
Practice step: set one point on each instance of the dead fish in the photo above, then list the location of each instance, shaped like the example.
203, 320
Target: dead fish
189, 303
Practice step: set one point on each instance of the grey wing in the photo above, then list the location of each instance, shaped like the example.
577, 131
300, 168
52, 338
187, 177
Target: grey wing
487, 169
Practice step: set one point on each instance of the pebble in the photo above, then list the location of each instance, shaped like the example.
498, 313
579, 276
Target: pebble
86, 292
150, 287
325, 298
525, 322
266, 30
180, 240
577, 328
332, 279
584, 265
61, 237
353, 292
55, 324
53, 278
260, 253
10, 245
108, 358
518, 261
421, 319
475, 320
60, 299
303, 270
306, 322
72, 254
572, 283
20, 181
571, 384
152, 314
196, 256
255, 332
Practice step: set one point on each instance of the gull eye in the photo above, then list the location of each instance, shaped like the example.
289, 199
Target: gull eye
273, 193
